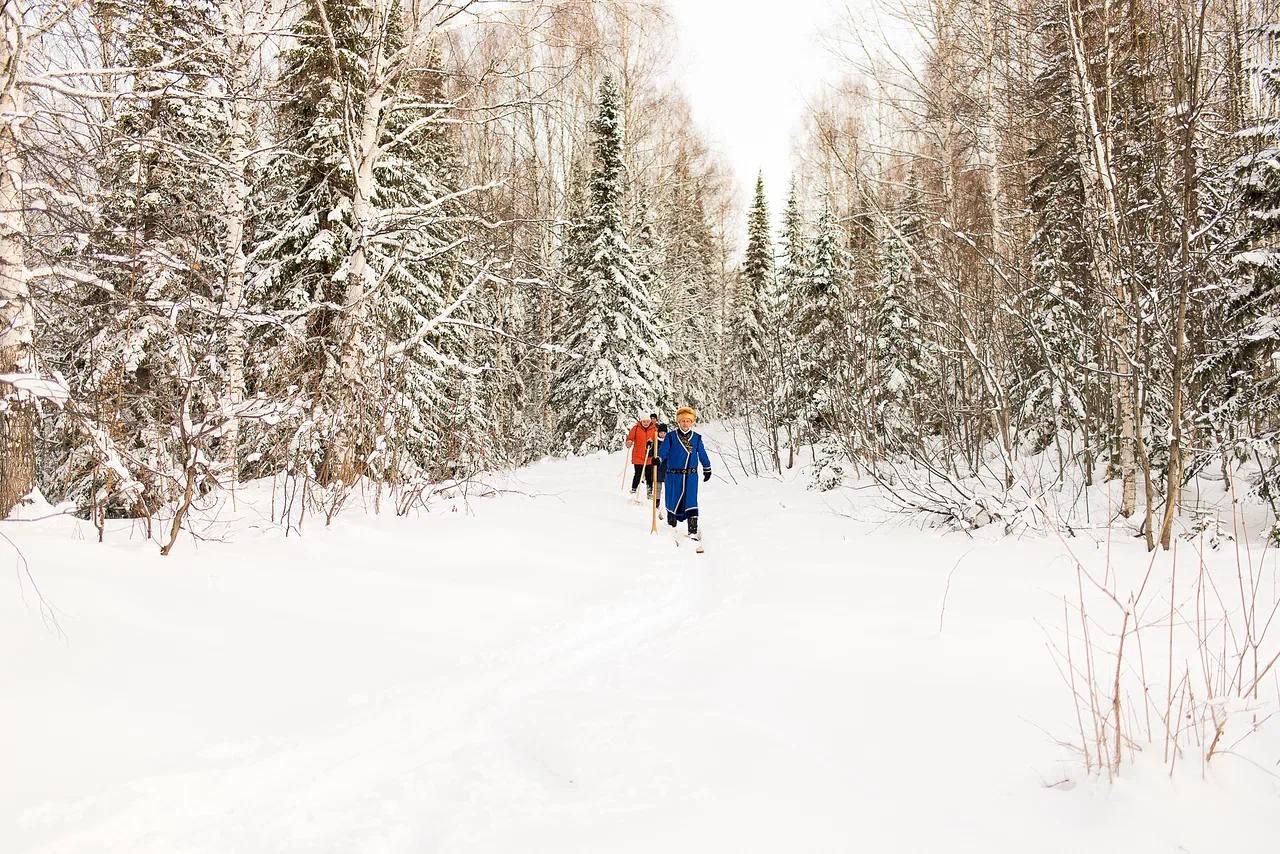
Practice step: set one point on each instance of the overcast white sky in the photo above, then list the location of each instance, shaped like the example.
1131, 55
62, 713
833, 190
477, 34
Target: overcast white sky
748, 67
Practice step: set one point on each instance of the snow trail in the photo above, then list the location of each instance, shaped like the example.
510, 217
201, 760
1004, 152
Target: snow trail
538, 673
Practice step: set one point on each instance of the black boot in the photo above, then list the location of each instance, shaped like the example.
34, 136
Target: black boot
671, 519
693, 527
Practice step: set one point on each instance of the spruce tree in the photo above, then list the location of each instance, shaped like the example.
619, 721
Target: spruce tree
420, 272
146, 353
303, 251
649, 282
620, 370
785, 298
400, 390
904, 359
688, 266
1239, 373
751, 337
575, 247
1055, 382
554, 319
819, 325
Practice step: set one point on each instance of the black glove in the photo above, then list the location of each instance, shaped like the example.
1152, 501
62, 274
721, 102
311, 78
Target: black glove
706, 475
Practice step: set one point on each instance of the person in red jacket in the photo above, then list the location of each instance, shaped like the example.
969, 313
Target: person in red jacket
642, 440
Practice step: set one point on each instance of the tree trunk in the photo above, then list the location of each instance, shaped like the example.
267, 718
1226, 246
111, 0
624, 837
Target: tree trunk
1187, 80
17, 319
235, 192
363, 153
1093, 146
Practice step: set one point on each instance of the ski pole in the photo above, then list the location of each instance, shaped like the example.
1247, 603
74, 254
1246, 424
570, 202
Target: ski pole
653, 528
626, 458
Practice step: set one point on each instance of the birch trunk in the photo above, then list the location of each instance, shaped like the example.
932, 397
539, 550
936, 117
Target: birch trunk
1098, 183
990, 140
363, 153
17, 319
235, 192
1186, 94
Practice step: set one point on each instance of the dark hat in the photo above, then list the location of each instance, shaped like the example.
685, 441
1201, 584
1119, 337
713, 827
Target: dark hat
662, 428
653, 415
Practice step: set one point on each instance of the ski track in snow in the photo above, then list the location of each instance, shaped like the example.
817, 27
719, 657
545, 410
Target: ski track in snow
788, 690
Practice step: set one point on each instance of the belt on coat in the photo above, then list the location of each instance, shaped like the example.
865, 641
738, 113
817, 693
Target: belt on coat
682, 471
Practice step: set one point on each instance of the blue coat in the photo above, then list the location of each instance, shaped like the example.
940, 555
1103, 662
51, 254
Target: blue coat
681, 483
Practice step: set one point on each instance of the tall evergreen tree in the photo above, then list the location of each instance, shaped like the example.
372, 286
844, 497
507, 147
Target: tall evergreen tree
755, 378
751, 337
575, 245
620, 370
685, 305
819, 324
648, 260
373, 364
1055, 383
420, 272
1239, 373
904, 360
144, 349
304, 251
785, 297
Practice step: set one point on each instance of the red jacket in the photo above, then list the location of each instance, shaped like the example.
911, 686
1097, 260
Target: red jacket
640, 437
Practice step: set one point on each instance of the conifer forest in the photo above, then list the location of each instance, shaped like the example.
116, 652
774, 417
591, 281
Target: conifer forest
937, 341
385, 244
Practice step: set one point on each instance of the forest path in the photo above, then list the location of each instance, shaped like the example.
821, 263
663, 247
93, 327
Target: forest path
537, 672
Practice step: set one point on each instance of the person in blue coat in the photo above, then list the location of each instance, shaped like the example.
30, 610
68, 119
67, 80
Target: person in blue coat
680, 454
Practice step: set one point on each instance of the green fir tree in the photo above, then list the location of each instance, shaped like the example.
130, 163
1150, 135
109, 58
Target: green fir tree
620, 369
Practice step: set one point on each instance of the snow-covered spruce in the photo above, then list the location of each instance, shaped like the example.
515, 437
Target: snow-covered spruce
612, 320
361, 257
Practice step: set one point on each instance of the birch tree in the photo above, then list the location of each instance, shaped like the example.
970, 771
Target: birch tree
17, 317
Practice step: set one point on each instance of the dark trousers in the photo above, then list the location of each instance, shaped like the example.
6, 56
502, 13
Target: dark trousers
680, 514
690, 515
648, 476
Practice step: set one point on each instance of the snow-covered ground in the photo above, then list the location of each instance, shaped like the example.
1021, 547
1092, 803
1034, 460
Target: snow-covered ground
535, 672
